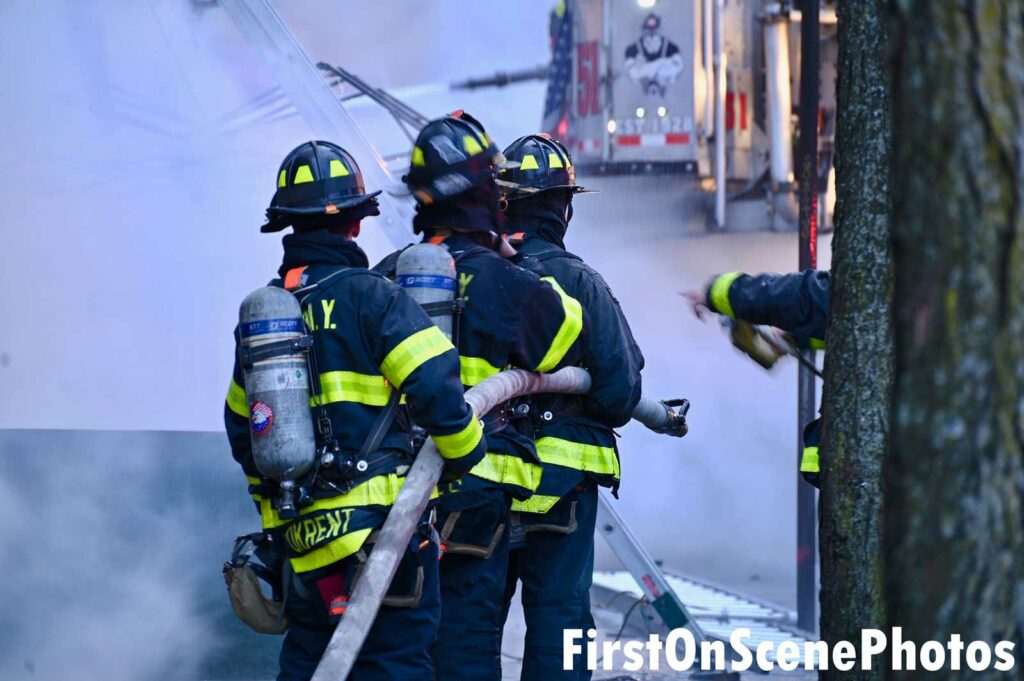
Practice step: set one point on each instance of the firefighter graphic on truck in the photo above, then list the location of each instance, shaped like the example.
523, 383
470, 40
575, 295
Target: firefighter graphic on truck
653, 60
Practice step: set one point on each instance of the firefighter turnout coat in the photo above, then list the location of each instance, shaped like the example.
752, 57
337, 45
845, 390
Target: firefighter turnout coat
796, 303
574, 435
511, 318
370, 339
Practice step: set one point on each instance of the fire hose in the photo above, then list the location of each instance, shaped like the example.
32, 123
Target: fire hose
350, 634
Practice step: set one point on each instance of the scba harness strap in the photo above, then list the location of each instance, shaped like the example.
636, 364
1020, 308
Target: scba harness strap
350, 470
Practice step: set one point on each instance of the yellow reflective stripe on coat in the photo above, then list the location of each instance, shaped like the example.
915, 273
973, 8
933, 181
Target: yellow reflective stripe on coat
268, 515
809, 462
237, 401
340, 548
567, 334
475, 369
508, 469
538, 503
719, 293
408, 355
817, 344
381, 490
583, 457
460, 444
349, 386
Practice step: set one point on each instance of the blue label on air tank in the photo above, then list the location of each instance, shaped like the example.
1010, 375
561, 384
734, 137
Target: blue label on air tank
426, 281
265, 326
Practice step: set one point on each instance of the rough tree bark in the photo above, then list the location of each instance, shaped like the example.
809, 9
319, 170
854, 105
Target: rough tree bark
954, 480
858, 364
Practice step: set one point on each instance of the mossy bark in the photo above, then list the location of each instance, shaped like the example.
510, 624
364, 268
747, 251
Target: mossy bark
858, 364
954, 517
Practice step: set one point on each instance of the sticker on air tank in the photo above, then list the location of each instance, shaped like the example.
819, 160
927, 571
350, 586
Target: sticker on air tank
291, 378
261, 417
425, 281
265, 326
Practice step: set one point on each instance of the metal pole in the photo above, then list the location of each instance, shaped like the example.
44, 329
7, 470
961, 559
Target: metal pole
780, 97
720, 135
707, 10
806, 552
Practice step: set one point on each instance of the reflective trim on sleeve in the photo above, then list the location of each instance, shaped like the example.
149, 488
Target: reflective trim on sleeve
236, 399
340, 548
349, 386
408, 355
508, 469
817, 344
460, 444
567, 334
583, 457
809, 462
475, 369
718, 294
538, 503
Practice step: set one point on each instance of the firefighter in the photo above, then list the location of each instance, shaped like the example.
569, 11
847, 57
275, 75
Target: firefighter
370, 341
511, 318
796, 303
574, 437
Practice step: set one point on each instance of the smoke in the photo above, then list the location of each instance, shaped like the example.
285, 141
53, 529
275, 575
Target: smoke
113, 546
141, 142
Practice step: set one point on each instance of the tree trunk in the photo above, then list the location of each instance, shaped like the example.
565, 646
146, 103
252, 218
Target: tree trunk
858, 364
954, 541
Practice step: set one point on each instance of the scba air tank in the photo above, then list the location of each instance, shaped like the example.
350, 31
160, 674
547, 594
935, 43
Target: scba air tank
273, 356
427, 273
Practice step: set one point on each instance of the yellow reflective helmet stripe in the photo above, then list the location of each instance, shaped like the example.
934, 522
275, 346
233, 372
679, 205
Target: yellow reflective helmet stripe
237, 401
339, 169
332, 552
809, 462
471, 145
583, 457
461, 443
475, 369
508, 469
349, 386
303, 174
282, 179
719, 294
555, 160
417, 157
567, 334
538, 503
529, 162
408, 355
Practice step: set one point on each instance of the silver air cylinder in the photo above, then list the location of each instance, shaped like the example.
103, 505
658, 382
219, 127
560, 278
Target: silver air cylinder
276, 387
427, 273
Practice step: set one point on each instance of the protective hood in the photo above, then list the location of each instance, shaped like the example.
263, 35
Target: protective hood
320, 248
541, 216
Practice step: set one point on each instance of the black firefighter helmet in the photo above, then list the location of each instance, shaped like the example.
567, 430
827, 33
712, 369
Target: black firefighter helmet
544, 165
318, 182
451, 156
